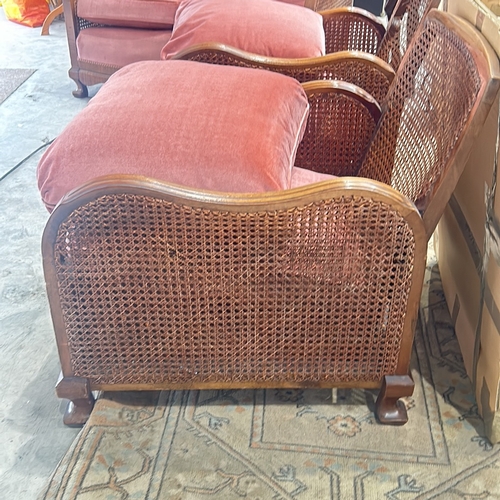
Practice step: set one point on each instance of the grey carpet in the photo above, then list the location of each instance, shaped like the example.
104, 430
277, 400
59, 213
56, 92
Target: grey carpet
11, 80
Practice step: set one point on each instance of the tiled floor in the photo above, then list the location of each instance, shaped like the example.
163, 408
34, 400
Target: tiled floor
32, 436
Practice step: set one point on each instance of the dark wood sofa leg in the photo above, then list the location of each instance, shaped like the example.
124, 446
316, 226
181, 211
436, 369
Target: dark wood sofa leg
77, 390
389, 409
82, 90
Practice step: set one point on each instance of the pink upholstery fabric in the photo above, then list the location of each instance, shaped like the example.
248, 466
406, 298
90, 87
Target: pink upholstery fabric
129, 13
206, 126
302, 177
117, 47
267, 28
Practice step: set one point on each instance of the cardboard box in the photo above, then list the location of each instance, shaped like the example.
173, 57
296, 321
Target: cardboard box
488, 375
461, 283
468, 244
480, 14
476, 182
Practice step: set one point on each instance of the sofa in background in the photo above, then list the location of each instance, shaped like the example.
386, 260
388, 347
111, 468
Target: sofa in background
105, 35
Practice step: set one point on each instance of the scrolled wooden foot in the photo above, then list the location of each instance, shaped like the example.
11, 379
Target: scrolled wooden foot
77, 390
82, 90
389, 409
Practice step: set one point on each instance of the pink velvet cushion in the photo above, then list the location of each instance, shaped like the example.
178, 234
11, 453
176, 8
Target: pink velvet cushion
206, 126
117, 47
267, 28
129, 13
303, 177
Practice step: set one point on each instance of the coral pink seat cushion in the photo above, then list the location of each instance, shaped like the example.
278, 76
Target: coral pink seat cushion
276, 29
302, 177
206, 126
153, 14
117, 47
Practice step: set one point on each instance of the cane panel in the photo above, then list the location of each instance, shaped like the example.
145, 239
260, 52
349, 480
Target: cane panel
328, 145
154, 291
346, 30
331, 4
427, 109
401, 29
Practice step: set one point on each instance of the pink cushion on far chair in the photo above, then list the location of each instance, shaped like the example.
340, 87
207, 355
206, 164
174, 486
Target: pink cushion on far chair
221, 128
276, 29
151, 14
117, 47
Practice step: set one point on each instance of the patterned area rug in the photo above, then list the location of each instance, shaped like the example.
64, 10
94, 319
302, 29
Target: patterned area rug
11, 80
292, 444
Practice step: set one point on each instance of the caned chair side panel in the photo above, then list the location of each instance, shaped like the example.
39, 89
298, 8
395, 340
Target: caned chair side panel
307, 286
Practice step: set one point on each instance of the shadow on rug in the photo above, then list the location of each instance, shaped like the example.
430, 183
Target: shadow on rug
292, 444
11, 80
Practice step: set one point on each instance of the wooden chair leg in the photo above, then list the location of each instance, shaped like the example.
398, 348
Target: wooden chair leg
82, 90
81, 403
389, 409
48, 20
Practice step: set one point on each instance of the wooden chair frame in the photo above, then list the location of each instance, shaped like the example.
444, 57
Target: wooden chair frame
397, 384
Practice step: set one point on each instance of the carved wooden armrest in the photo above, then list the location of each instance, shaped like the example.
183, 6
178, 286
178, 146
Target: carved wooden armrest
364, 70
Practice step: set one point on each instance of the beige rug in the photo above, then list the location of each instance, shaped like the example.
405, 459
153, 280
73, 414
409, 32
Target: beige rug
292, 444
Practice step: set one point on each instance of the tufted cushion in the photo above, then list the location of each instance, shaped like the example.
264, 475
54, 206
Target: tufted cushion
117, 47
267, 28
212, 127
153, 14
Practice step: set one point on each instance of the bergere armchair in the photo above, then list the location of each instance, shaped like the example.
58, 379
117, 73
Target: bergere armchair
157, 286
359, 49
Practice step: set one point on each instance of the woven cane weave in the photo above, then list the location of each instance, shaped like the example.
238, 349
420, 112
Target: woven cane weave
349, 31
358, 72
84, 24
154, 291
327, 145
401, 30
427, 109
331, 4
